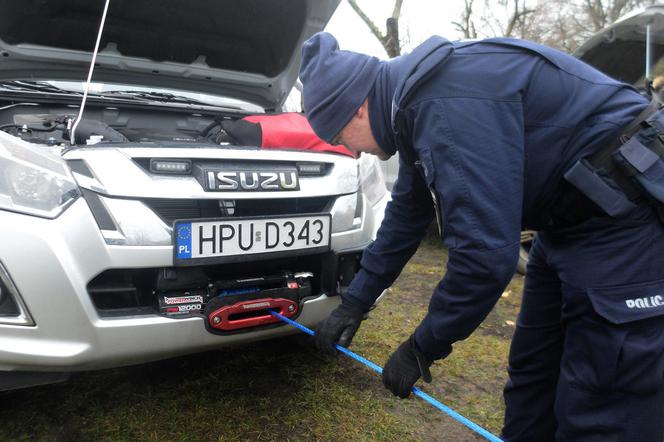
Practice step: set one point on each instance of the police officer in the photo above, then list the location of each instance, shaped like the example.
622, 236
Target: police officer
494, 136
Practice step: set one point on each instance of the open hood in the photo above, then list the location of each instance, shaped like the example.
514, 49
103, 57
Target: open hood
619, 50
245, 49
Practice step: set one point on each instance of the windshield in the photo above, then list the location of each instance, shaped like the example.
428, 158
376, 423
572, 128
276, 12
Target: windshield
212, 100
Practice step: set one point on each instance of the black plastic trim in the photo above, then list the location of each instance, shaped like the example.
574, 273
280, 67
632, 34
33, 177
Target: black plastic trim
79, 166
99, 212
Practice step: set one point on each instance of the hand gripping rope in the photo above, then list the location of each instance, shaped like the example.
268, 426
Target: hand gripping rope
416, 391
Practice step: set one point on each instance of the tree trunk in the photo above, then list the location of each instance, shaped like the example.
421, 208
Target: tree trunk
389, 40
391, 45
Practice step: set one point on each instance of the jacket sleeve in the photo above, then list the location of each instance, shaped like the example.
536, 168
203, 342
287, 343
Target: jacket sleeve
407, 217
472, 151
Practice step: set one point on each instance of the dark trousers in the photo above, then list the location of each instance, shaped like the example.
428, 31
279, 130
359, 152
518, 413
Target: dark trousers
587, 358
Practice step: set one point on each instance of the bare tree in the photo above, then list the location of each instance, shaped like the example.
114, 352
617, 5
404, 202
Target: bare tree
583, 18
557, 29
466, 25
504, 18
564, 24
602, 13
598, 14
518, 18
390, 39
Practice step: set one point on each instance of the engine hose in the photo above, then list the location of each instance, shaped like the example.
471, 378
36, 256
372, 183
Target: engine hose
205, 132
416, 391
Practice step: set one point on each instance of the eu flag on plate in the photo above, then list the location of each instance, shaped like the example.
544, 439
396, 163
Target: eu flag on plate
183, 235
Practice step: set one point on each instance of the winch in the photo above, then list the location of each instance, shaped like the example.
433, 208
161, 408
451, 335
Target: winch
241, 304
251, 313
235, 305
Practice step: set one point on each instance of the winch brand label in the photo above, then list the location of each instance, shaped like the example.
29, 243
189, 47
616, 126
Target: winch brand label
183, 308
189, 307
645, 302
182, 299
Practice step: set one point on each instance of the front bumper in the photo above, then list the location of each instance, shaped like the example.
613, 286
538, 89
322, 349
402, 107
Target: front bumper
51, 263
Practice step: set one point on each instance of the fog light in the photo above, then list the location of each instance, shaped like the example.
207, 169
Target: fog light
12, 309
170, 166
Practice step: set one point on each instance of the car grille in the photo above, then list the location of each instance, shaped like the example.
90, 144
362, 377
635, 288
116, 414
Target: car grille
171, 209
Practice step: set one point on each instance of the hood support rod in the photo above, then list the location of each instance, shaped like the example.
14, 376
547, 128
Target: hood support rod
92, 68
648, 49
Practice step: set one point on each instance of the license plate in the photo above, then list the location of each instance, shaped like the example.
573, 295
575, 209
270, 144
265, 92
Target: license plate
233, 240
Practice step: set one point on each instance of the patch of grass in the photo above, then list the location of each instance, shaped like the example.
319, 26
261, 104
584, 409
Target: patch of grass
471, 379
247, 394
282, 390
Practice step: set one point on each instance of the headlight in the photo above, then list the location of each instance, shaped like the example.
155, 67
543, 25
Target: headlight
372, 181
33, 181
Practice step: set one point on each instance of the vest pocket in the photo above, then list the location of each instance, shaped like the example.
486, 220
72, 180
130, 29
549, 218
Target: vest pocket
643, 164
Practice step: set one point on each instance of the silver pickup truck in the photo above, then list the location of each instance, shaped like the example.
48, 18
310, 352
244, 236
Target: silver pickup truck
130, 234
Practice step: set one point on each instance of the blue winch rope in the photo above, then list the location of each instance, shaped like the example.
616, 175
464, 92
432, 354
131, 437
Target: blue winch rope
416, 391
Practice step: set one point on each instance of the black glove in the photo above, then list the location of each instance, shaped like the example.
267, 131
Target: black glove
339, 327
405, 367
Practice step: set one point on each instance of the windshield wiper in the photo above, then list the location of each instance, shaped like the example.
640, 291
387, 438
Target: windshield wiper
35, 86
154, 96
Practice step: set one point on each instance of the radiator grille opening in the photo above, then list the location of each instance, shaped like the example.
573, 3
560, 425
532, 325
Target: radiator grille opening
134, 292
171, 209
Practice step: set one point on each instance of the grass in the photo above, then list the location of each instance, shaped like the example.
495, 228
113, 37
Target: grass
283, 389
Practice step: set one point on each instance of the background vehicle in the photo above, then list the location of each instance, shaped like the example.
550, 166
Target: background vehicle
631, 49
133, 235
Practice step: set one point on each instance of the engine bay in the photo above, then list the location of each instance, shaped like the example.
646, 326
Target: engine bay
51, 124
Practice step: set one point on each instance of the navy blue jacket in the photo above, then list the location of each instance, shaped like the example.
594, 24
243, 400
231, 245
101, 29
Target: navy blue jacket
493, 126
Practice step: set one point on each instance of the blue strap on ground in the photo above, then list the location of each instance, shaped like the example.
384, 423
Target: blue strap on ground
416, 391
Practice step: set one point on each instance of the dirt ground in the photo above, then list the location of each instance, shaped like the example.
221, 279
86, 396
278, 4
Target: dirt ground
284, 389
